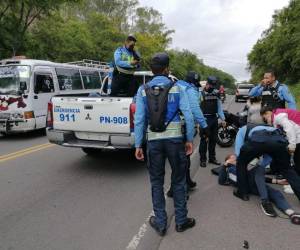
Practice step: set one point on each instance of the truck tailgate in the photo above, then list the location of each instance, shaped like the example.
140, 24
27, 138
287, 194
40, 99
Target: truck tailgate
109, 115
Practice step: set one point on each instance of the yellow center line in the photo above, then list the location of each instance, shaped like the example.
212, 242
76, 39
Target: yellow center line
25, 151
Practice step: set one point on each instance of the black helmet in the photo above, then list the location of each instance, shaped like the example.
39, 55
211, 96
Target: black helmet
212, 80
193, 77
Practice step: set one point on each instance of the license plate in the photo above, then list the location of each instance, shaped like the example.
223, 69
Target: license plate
92, 136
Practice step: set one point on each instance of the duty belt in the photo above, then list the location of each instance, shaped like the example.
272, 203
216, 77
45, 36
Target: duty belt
125, 71
172, 131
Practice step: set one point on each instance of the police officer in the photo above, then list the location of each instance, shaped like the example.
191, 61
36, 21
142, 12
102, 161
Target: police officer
253, 141
191, 85
167, 144
126, 62
273, 93
211, 106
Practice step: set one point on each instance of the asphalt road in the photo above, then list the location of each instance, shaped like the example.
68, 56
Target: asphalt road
58, 198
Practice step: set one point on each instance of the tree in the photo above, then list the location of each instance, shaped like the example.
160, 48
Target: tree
184, 61
73, 39
120, 11
17, 16
279, 46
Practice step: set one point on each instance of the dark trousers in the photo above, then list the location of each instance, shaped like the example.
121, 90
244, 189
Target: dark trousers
188, 169
212, 122
123, 84
158, 152
297, 159
273, 194
278, 152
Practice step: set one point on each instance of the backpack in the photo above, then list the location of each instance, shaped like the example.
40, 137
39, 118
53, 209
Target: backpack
157, 103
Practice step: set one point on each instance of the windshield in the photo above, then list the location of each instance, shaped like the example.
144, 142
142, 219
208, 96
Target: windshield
245, 87
10, 78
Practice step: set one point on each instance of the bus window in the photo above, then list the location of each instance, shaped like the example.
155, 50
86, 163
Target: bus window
91, 79
68, 79
43, 83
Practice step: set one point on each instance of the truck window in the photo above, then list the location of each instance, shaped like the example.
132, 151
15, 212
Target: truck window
43, 83
68, 79
91, 79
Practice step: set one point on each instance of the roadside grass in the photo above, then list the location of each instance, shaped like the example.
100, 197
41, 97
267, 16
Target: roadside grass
295, 89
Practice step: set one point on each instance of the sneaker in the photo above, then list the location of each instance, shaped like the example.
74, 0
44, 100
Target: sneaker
288, 189
295, 218
160, 231
268, 209
190, 222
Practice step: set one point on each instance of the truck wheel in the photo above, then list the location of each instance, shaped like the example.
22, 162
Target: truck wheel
91, 151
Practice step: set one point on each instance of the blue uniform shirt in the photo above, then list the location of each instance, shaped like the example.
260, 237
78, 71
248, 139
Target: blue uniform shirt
123, 58
283, 93
240, 137
194, 101
141, 114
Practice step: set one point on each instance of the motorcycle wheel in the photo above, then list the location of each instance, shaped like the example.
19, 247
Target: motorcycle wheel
225, 137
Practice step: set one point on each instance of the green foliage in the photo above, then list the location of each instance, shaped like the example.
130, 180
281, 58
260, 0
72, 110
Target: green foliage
184, 61
17, 16
279, 47
61, 30
295, 89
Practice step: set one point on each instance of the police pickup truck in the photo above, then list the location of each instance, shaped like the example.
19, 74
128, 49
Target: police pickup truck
93, 123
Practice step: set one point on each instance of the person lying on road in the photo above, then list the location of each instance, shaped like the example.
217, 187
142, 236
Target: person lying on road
227, 175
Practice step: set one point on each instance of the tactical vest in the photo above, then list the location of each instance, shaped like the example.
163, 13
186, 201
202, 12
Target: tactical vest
270, 97
209, 104
162, 104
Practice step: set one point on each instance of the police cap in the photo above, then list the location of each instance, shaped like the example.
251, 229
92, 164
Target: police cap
131, 38
212, 80
192, 77
160, 60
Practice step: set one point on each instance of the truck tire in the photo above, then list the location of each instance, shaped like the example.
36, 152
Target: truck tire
91, 151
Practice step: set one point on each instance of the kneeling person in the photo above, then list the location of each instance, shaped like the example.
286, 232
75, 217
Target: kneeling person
227, 175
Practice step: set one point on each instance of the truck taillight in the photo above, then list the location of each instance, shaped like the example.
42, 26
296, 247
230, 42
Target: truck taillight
50, 115
132, 109
28, 115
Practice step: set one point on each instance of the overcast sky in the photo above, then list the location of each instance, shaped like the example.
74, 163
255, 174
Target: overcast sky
221, 32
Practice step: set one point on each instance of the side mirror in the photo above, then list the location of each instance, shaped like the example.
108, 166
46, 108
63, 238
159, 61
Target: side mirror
23, 87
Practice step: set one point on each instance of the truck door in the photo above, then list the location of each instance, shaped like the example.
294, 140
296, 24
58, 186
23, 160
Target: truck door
43, 90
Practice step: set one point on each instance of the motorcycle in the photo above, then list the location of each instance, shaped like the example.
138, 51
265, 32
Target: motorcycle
226, 134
